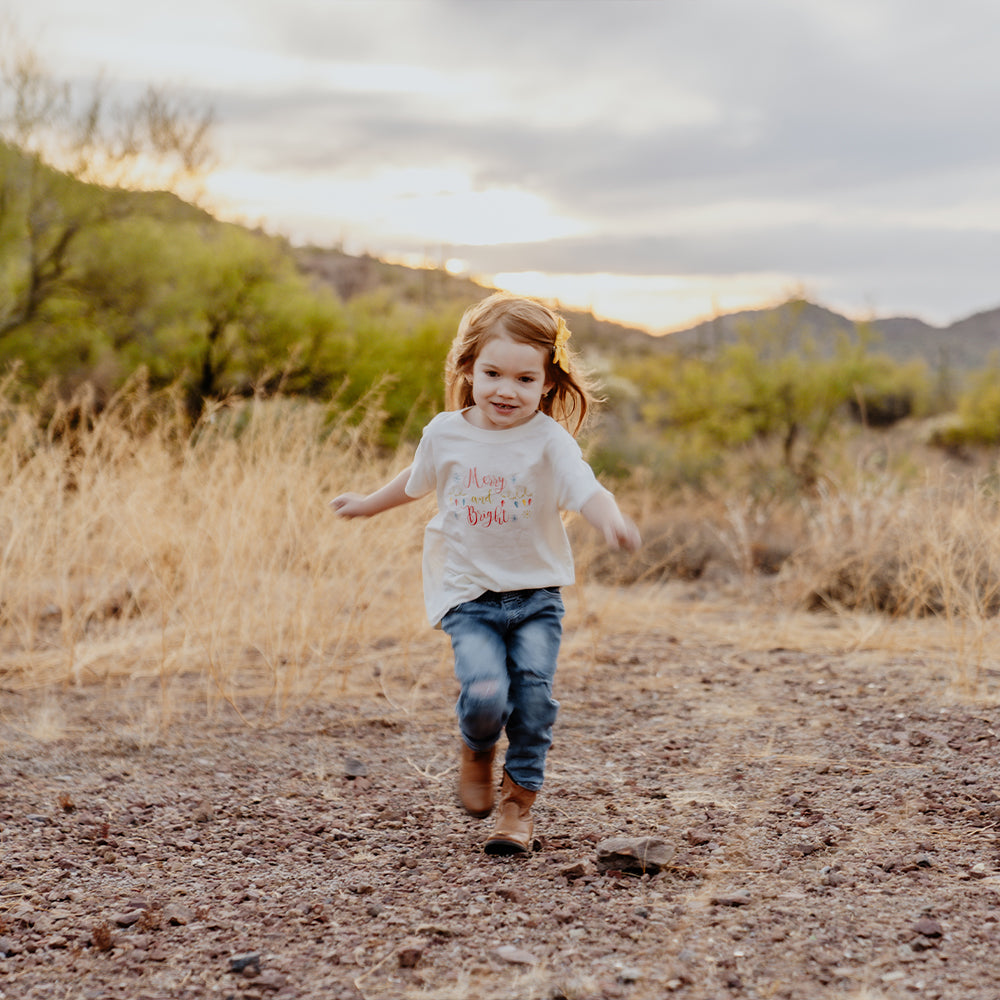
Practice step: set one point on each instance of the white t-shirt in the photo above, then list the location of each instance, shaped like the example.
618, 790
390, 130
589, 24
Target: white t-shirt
499, 494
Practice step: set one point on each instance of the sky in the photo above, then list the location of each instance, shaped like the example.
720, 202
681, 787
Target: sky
658, 161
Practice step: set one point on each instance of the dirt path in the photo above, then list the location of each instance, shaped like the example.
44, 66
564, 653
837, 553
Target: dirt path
835, 825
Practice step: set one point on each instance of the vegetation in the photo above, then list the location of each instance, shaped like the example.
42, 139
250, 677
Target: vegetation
182, 395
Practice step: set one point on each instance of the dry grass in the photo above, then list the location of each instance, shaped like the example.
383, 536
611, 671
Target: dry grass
129, 548
132, 548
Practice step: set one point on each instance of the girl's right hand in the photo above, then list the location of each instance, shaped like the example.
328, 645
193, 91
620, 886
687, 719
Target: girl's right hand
349, 505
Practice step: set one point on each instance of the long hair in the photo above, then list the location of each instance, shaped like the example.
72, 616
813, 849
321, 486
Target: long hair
529, 322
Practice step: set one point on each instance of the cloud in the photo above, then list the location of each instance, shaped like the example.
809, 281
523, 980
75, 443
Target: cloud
845, 142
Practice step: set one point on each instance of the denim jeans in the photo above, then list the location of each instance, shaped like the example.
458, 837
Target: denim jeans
505, 648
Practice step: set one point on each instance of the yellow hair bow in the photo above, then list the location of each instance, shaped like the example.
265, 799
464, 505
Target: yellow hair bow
560, 356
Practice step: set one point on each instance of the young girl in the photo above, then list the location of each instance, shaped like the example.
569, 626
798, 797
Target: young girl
495, 555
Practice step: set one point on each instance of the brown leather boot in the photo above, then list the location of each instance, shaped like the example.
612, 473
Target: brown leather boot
514, 825
475, 781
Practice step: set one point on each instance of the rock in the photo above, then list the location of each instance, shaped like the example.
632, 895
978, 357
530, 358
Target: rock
271, 979
738, 897
128, 918
245, 960
638, 854
572, 872
928, 927
354, 768
179, 916
203, 812
515, 956
411, 951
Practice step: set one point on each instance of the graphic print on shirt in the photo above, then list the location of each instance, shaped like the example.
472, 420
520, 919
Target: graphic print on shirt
487, 499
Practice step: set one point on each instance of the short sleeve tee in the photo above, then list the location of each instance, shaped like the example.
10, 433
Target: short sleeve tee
499, 492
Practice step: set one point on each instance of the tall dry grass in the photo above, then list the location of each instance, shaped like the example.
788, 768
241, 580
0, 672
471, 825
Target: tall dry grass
132, 547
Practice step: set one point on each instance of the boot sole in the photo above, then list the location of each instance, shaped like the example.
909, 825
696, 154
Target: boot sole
504, 847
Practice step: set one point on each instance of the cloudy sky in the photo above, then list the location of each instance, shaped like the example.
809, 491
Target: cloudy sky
657, 160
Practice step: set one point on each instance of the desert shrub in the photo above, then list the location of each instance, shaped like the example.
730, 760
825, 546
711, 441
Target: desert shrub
976, 421
763, 389
933, 550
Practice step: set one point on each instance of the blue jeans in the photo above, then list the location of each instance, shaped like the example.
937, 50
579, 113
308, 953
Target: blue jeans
506, 647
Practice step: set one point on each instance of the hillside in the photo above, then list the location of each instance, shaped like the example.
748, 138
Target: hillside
966, 344
350, 276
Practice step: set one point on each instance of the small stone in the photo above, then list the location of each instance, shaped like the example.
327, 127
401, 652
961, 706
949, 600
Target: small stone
515, 956
271, 979
203, 813
245, 960
128, 918
928, 927
638, 855
410, 952
179, 916
739, 897
354, 768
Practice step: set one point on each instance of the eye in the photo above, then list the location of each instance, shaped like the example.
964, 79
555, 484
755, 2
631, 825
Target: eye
527, 379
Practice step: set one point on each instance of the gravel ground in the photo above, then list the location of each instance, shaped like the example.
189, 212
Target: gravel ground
833, 821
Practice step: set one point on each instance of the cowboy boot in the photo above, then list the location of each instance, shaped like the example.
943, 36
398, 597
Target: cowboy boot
514, 825
475, 781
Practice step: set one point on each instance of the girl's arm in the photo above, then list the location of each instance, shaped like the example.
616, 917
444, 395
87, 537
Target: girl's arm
393, 494
602, 512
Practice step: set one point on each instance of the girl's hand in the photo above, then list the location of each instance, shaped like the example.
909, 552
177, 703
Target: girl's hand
350, 505
393, 494
619, 531
624, 535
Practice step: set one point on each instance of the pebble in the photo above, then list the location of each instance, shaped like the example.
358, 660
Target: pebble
179, 916
515, 956
629, 974
928, 927
354, 768
410, 952
245, 960
738, 897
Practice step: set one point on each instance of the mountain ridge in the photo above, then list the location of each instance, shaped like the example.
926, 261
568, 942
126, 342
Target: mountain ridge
965, 344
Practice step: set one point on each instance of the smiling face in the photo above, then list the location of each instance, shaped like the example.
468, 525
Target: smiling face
508, 382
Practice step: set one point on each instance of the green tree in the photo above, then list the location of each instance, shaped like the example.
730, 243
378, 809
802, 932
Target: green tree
50, 140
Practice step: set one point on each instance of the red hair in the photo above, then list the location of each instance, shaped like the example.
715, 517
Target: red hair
528, 322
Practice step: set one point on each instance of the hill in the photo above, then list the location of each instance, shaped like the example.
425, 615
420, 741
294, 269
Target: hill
350, 276
966, 344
